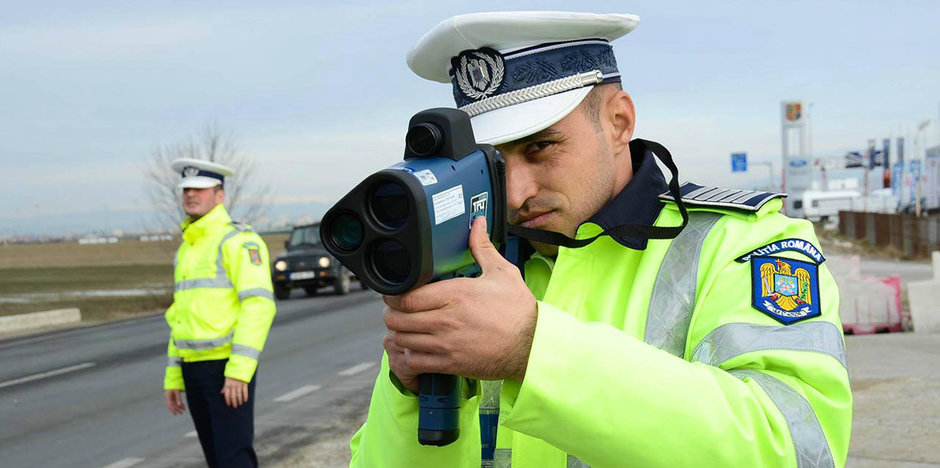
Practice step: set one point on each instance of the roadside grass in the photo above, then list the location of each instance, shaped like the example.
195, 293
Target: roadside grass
105, 281
99, 291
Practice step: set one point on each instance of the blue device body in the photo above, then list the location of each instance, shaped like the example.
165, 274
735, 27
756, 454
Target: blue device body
456, 192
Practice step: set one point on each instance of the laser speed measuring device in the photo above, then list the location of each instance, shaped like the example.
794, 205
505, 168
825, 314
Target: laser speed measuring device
409, 224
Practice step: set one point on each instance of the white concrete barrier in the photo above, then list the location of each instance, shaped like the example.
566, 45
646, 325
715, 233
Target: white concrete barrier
868, 304
924, 297
35, 320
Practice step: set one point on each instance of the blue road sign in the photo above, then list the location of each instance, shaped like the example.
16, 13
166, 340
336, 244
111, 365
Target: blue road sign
738, 162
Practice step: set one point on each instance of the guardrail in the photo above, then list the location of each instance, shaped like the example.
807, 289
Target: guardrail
914, 236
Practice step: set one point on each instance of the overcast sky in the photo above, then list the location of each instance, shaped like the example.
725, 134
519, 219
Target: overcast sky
320, 95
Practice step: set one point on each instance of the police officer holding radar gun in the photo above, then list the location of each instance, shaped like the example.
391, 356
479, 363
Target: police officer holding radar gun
654, 325
222, 309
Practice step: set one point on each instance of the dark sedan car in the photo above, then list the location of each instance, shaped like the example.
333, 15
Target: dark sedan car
307, 265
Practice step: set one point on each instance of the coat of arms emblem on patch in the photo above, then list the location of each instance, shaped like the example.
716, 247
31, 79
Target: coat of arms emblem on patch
785, 289
479, 73
254, 253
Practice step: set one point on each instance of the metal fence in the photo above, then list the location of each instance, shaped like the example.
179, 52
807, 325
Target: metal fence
914, 236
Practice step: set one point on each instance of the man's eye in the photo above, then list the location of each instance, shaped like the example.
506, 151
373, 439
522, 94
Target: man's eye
538, 146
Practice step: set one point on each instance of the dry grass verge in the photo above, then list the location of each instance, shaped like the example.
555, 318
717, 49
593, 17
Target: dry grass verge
105, 281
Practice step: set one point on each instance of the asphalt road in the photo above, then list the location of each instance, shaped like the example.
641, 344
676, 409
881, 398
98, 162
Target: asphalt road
92, 397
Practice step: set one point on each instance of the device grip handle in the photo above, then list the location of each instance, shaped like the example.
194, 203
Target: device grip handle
438, 409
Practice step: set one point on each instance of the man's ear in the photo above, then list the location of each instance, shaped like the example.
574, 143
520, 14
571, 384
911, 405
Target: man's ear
219, 196
621, 117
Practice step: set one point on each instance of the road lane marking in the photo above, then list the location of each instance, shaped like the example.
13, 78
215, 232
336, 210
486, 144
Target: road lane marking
357, 368
291, 396
43, 375
190, 434
125, 463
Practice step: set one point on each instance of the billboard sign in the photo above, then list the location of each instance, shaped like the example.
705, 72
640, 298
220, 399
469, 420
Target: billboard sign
793, 112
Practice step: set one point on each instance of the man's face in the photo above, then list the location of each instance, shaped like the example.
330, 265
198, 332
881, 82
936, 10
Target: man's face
198, 202
559, 177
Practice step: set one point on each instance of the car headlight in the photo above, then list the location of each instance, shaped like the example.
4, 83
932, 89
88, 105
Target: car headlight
324, 262
280, 265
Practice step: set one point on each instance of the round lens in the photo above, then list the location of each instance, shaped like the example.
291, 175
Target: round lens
391, 262
389, 205
346, 232
423, 139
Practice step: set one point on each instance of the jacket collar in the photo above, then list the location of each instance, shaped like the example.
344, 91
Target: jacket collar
196, 228
638, 202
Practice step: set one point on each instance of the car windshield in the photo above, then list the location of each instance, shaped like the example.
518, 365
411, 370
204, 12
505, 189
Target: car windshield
305, 236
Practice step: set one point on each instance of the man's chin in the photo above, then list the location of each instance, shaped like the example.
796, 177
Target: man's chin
547, 250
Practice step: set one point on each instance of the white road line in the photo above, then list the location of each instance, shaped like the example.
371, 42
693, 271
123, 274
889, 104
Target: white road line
190, 434
291, 396
43, 375
125, 463
357, 368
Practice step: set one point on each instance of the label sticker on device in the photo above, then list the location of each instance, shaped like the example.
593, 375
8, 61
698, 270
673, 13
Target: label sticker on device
448, 204
426, 177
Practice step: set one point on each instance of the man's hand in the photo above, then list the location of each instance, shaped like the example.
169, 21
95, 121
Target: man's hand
235, 392
480, 327
174, 401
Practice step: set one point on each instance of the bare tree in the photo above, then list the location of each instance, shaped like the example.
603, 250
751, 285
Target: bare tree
245, 192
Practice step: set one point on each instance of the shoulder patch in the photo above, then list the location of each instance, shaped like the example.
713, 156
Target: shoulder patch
738, 199
784, 289
254, 252
796, 245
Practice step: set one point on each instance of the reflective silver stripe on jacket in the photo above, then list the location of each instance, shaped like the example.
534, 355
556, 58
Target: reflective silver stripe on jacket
502, 458
247, 351
256, 292
221, 279
733, 339
812, 449
200, 345
673, 298
574, 462
172, 361
217, 282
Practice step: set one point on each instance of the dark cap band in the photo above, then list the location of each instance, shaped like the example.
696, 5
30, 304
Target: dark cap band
486, 73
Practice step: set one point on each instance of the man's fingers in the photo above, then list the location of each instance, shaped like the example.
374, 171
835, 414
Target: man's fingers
422, 343
425, 297
244, 391
415, 322
174, 402
484, 252
426, 363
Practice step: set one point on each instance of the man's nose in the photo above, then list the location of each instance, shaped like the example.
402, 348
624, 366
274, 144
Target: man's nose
520, 183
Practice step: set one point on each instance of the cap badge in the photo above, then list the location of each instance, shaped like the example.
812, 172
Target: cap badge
190, 171
479, 73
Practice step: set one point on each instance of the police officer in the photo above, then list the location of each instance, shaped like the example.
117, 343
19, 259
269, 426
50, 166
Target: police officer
222, 309
626, 341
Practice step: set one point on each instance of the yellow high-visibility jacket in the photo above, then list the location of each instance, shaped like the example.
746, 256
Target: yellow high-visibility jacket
674, 355
223, 303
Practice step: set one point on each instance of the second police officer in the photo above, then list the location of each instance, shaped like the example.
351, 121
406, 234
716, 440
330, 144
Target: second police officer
223, 306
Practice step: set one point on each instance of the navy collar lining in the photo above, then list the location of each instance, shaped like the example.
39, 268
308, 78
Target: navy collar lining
638, 202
